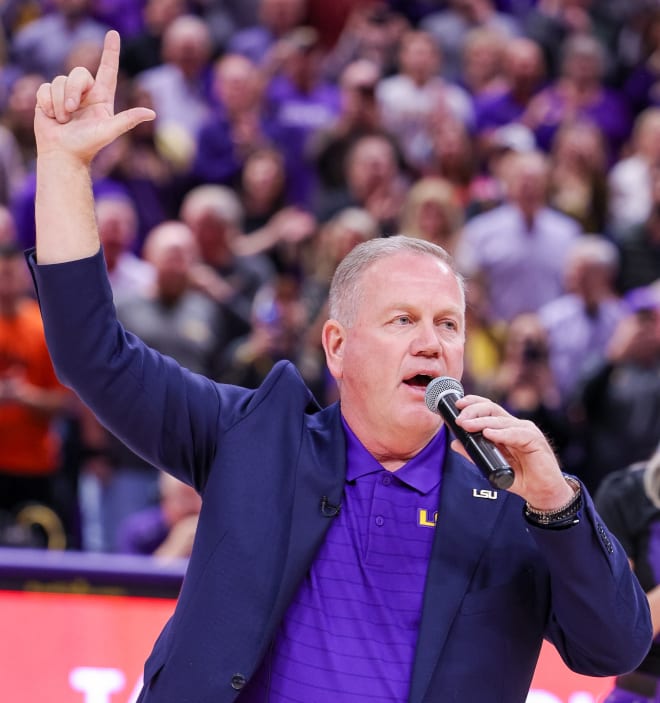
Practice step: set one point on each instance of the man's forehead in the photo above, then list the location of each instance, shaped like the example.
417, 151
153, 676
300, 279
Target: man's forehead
411, 265
401, 276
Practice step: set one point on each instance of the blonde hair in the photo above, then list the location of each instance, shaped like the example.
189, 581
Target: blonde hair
436, 190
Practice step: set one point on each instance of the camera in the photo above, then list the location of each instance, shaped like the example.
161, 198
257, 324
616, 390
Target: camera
534, 351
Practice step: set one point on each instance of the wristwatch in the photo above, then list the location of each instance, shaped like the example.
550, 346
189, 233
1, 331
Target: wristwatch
559, 518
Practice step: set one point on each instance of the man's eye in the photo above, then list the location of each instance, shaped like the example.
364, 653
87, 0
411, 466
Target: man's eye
402, 320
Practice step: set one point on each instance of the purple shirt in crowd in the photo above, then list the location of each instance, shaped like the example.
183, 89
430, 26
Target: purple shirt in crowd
350, 633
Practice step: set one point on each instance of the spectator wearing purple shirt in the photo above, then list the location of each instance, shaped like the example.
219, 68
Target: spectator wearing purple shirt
165, 530
276, 18
126, 16
523, 73
143, 48
580, 93
261, 601
300, 102
237, 126
641, 82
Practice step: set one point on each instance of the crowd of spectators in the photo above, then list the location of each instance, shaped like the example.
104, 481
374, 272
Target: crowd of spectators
521, 135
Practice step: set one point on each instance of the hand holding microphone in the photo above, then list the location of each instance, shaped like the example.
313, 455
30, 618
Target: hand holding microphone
441, 396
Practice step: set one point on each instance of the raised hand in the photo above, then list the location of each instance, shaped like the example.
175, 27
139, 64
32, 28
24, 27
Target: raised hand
74, 119
75, 113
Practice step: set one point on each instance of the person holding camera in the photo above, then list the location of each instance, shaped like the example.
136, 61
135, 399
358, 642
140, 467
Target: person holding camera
524, 382
618, 401
628, 500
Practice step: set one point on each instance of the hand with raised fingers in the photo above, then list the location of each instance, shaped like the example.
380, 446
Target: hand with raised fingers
75, 115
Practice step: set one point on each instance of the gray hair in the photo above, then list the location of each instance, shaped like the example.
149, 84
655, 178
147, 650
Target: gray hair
357, 219
595, 249
581, 44
219, 201
345, 290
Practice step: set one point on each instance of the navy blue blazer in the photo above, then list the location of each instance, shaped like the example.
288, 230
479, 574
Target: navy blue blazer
263, 460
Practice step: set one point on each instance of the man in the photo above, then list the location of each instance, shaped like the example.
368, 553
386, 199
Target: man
31, 399
306, 579
618, 399
629, 500
581, 322
517, 250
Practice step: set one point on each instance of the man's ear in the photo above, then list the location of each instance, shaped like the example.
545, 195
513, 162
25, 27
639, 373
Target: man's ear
333, 338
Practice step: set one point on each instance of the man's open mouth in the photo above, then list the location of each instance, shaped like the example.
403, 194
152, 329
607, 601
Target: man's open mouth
420, 380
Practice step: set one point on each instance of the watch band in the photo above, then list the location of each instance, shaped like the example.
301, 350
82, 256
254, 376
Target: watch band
565, 516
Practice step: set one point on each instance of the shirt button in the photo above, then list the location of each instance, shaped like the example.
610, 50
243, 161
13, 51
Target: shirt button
238, 681
387, 480
380, 520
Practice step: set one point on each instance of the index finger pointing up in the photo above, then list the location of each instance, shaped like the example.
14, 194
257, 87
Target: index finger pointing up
106, 76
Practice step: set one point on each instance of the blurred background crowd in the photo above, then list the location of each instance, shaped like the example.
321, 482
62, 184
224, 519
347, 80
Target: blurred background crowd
521, 135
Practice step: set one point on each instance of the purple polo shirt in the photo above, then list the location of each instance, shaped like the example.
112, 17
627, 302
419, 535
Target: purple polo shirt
350, 633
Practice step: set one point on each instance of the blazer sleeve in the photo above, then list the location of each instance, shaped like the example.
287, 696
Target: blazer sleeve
600, 620
165, 413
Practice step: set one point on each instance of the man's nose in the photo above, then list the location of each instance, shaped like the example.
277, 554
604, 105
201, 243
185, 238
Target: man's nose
426, 340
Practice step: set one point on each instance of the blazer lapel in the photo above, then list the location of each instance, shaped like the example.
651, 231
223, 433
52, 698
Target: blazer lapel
321, 473
466, 517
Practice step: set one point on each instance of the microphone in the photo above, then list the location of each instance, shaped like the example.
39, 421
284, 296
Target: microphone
441, 396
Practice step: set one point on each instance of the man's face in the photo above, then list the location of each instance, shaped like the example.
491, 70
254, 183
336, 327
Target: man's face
409, 328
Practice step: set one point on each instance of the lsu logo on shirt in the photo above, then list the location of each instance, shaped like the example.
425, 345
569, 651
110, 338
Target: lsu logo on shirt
426, 518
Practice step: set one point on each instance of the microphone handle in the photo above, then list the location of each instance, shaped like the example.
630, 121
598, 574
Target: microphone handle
482, 451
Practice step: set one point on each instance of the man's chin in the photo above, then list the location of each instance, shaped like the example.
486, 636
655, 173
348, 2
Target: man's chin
421, 421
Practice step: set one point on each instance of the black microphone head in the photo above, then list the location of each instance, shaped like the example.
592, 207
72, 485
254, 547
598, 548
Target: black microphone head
440, 386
